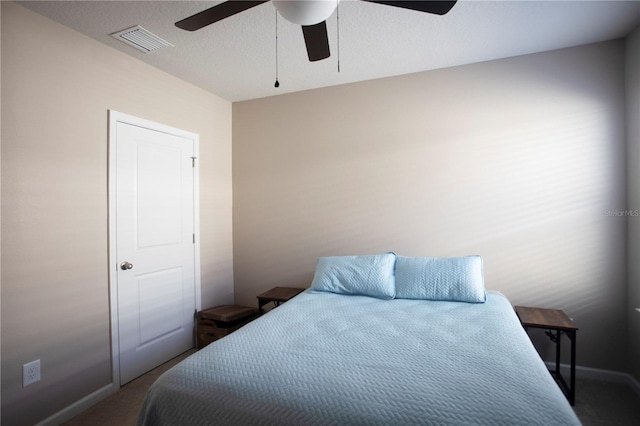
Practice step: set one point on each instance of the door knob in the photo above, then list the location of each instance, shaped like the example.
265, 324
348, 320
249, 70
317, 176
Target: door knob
126, 265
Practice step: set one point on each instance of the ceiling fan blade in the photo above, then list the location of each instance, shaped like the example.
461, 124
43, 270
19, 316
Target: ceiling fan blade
317, 41
216, 13
437, 7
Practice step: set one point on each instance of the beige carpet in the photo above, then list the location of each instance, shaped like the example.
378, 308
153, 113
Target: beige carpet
606, 404
122, 408
597, 403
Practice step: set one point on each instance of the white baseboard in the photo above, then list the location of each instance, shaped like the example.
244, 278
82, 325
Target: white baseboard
78, 407
598, 374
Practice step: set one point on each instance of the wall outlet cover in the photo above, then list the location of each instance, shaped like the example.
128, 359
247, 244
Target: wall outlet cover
30, 373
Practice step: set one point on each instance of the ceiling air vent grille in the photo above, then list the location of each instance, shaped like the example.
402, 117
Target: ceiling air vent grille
141, 39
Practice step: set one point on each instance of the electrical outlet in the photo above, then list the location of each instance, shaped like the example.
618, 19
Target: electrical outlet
31, 373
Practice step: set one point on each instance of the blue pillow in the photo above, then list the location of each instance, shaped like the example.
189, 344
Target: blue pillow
454, 279
369, 275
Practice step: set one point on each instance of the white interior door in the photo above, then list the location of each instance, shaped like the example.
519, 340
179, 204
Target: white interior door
154, 262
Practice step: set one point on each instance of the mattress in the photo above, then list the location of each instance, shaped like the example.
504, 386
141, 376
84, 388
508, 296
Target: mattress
330, 359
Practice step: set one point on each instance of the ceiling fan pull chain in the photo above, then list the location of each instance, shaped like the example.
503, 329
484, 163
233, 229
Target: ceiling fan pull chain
338, 31
277, 83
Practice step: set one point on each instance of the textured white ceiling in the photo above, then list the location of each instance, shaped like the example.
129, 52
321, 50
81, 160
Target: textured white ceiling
236, 58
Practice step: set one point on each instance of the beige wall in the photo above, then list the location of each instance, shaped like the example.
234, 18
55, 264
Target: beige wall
518, 160
633, 163
57, 87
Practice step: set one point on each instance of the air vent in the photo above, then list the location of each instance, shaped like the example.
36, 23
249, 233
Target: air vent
141, 39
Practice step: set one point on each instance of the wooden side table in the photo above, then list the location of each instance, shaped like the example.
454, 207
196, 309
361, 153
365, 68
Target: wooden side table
277, 295
219, 321
556, 322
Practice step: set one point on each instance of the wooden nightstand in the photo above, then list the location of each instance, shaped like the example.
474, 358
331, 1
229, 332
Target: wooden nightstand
277, 295
219, 321
557, 323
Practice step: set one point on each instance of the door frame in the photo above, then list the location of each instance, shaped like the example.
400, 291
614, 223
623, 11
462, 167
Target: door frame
116, 117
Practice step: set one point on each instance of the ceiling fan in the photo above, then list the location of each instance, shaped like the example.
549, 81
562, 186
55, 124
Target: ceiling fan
310, 14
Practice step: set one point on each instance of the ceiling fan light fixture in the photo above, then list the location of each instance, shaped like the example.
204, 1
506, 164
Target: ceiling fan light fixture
305, 12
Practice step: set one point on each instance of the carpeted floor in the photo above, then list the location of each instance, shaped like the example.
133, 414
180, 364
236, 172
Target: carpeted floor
597, 403
605, 403
122, 407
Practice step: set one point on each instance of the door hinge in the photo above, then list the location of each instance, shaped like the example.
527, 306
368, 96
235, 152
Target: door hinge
193, 161
194, 238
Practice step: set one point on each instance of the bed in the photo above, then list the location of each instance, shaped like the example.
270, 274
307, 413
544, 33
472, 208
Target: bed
335, 356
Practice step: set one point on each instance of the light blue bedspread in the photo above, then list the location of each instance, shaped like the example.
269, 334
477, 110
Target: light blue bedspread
328, 359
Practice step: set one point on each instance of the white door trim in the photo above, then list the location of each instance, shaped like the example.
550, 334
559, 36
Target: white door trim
114, 118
